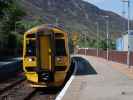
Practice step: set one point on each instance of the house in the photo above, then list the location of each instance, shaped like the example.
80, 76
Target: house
125, 42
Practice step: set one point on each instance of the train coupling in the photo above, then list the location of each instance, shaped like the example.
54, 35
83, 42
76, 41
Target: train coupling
45, 76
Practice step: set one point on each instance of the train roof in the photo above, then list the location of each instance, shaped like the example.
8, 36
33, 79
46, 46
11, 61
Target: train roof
46, 28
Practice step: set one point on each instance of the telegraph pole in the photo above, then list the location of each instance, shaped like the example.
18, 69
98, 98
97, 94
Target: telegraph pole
16, 48
123, 13
56, 21
128, 60
85, 43
128, 54
97, 24
107, 31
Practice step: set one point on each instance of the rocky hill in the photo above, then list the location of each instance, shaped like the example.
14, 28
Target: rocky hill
74, 15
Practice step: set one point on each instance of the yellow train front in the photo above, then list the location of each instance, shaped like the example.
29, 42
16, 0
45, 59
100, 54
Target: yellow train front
46, 56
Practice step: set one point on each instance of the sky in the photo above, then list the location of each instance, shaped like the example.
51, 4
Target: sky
112, 5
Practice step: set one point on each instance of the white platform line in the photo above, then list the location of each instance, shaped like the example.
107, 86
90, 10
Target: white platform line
62, 93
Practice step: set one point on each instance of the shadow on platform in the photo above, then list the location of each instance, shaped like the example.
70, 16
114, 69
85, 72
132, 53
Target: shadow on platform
84, 67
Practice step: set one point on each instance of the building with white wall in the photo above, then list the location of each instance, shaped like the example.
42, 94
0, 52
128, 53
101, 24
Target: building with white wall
123, 42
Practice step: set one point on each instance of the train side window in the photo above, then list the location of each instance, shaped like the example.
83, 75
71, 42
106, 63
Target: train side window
60, 47
30, 48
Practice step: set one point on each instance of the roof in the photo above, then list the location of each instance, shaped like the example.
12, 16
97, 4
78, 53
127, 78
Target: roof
130, 32
45, 27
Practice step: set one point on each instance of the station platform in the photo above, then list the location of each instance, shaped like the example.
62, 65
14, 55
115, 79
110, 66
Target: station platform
99, 79
9, 61
10, 67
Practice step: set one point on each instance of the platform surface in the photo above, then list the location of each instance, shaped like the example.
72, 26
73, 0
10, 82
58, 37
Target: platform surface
9, 68
98, 79
9, 61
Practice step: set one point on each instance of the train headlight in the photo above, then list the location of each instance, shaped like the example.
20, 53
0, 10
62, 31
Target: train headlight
60, 60
30, 59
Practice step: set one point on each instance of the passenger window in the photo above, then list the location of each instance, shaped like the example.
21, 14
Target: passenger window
60, 47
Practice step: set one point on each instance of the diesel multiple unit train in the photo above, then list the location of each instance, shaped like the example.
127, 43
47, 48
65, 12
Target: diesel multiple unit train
46, 59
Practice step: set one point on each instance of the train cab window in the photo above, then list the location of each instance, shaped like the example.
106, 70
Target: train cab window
59, 35
60, 47
30, 48
31, 36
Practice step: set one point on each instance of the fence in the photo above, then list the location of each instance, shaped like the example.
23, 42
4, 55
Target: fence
116, 56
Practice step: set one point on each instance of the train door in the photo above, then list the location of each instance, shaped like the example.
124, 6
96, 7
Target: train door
45, 52
46, 57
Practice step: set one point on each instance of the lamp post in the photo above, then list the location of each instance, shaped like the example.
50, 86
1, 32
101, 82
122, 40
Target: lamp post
128, 54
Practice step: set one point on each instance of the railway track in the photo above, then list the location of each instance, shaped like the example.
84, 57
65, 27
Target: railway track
20, 90
44, 97
6, 85
46, 94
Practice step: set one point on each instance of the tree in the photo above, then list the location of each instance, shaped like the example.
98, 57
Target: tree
11, 12
103, 44
4, 5
92, 43
11, 42
25, 24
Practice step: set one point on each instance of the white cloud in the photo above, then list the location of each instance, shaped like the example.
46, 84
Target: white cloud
94, 1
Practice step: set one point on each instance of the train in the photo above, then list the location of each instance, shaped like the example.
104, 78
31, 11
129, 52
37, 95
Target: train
46, 58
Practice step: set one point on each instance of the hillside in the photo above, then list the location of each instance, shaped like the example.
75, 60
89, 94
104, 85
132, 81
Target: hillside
74, 15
